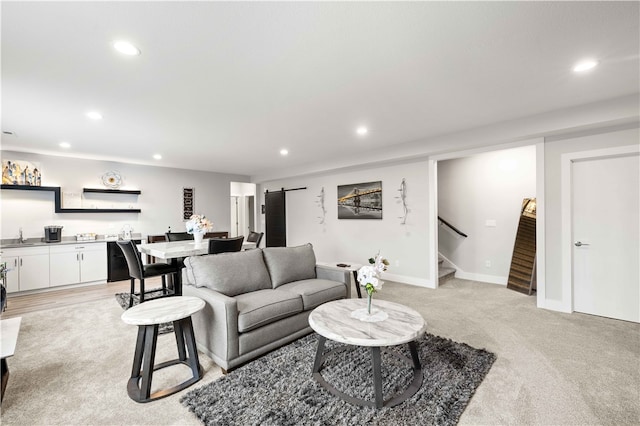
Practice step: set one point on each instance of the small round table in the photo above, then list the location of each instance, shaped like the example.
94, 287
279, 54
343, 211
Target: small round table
147, 316
334, 320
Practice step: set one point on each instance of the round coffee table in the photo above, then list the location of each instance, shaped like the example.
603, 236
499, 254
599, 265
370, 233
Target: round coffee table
333, 320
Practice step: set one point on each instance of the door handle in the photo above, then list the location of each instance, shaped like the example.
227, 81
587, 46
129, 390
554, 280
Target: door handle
580, 244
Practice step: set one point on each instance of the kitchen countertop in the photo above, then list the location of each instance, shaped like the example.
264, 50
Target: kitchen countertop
39, 242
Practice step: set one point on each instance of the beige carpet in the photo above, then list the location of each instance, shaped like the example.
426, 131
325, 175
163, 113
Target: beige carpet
72, 364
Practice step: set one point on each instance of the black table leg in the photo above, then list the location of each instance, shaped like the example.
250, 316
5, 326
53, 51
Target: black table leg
318, 362
179, 332
377, 375
5, 377
193, 361
355, 279
176, 278
150, 341
376, 360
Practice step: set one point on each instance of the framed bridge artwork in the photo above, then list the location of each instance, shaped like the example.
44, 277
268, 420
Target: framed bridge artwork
360, 201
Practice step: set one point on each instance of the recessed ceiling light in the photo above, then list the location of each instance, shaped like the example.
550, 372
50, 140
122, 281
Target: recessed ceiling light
94, 115
362, 130
157, 157
126, 48
585, 65
64, 145
284, 152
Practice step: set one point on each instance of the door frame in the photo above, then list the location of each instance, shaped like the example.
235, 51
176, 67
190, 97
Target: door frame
566, 196
540, 210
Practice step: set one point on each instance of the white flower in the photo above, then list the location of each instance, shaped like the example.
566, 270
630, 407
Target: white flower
369, 275
198, 223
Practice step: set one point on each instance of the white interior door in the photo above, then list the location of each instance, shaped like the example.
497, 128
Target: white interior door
234, 217
606, 236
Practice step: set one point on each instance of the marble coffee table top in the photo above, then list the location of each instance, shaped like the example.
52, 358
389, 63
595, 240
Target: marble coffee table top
166, 309
333, 320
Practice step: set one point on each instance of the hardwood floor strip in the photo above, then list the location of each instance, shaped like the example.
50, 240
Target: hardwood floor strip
20, 304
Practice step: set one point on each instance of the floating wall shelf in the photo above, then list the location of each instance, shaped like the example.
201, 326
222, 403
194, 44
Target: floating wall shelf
58, 199
112, 191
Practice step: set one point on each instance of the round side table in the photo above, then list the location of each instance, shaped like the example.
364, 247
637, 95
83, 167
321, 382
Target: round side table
147, 316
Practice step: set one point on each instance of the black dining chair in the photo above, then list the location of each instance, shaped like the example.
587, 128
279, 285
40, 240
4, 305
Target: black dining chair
139, 271
224, 245
255, 237
178, 236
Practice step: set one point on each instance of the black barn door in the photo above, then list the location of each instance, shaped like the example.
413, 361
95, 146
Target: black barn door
276, 219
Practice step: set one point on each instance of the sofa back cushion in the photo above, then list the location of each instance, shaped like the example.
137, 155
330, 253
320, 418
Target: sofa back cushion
229, 273
288, 264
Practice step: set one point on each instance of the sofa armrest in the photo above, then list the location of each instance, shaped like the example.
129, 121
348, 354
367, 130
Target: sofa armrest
333, 274
216, 326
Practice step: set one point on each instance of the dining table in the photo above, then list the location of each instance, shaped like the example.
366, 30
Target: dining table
174, 251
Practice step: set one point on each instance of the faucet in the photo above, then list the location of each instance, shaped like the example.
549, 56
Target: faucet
21, 239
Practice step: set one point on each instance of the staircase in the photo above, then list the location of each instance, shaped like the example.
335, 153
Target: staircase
444, 272
523, 261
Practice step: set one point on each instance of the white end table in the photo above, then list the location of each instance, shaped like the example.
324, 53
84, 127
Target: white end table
9, 330
352, 267
147, 316
333, 320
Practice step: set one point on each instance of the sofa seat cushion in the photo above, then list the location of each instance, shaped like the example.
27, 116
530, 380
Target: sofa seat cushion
229, 273
315, 292
288, 264
262, 307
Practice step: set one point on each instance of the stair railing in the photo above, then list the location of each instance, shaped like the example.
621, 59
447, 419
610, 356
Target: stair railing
453, 228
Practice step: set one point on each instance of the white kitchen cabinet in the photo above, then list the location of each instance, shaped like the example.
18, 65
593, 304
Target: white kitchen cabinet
30, 268
12, 278
78, 263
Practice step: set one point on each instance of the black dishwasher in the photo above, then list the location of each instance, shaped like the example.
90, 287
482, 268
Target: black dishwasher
117, 269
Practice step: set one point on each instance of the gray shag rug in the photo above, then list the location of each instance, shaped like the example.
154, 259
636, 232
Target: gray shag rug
278, 389
123, 301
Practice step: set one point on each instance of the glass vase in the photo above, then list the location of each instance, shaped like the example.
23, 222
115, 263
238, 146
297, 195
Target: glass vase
369, 296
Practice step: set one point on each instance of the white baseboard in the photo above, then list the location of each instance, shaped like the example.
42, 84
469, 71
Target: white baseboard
491, 279
420, 282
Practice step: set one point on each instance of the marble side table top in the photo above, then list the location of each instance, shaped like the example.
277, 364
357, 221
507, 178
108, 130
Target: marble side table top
333, 320
166, 309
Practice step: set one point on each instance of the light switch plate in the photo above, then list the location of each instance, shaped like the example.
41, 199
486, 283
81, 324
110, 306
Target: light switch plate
490, 223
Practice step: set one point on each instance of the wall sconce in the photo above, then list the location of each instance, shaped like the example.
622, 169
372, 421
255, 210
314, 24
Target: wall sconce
320, 202
403, 199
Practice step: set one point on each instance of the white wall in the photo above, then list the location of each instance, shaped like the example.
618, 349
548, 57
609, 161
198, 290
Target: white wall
160, 201
355, 240
474, 190
553, 151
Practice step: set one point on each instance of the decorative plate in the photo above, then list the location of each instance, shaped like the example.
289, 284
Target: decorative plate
112, 179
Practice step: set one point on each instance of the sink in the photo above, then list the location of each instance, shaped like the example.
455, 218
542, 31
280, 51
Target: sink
11, 243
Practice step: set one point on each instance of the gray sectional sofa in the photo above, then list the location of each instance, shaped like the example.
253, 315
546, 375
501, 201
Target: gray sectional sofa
257, 300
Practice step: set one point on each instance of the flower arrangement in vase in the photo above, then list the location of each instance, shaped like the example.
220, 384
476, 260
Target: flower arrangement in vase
198, 225
369, 277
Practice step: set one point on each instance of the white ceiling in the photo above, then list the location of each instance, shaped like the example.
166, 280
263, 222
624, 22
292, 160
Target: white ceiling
224, 86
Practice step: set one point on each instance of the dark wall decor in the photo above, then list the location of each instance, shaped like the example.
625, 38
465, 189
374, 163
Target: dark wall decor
188, 202
360, 201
